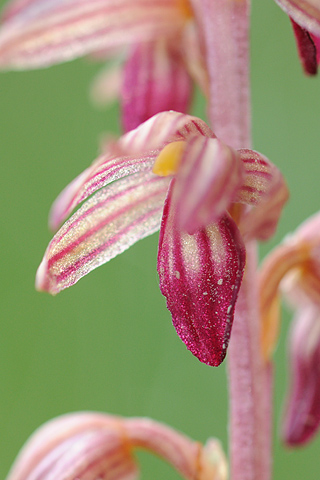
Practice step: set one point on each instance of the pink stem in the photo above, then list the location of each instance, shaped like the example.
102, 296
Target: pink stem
225, 29
250, 383
225, 40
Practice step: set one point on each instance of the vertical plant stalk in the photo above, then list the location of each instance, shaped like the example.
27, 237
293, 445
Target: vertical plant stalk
250, 380
225, 30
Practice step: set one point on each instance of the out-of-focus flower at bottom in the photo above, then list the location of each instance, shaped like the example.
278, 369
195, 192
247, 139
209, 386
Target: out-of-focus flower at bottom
293, 268
94, 446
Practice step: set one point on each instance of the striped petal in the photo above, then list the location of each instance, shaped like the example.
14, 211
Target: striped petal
92, 446
134, 152
265, 189
200, 276
277, 265
43, 32
155, 80
208, 178
86, 446
305, 13
106, 225
303, 285
191, 459
302, 416
293, 269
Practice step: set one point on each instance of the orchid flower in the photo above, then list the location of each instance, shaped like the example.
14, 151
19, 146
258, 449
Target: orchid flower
159, 39
175, 164
305, 19
294, 269
94, 446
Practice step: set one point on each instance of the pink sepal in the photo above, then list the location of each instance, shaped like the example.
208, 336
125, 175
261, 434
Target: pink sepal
200, 276
90, 446
302, 416
84, 445
302, 285
13, 8
40, 33
208, 179
107, 224
154, 80
306, 49
265, 189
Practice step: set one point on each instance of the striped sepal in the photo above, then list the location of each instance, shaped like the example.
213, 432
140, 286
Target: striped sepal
106, 225
265, 189
134, 152
44, 32
93, 446
302, 415
200, 275
87, 446
154, 80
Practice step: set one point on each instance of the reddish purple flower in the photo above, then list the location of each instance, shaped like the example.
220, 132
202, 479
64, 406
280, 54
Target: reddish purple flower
209, 192
294, 269
92, 446
158, 40
305, 19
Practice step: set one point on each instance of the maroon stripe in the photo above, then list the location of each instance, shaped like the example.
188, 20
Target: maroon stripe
109, 175
108, 199
73, 268
78, 18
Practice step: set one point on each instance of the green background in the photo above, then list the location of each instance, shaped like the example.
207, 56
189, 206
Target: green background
107, 344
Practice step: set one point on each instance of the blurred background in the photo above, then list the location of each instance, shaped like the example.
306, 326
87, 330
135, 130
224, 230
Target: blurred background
107, 344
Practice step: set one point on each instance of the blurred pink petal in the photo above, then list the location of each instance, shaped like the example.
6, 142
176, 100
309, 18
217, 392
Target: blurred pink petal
155, 79
302, 415
43, 32
302, 285
292, 268
200, 276
106, 86
13, 8
106, 225
92, 445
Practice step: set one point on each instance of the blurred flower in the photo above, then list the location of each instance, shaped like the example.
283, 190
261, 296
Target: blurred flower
158, 40
305, 19
294, 269
92, 446
200, 181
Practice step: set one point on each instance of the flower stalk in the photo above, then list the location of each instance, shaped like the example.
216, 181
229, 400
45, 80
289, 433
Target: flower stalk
226, 43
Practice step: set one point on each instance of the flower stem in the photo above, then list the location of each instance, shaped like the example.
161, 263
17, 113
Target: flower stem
225, 40
250, 385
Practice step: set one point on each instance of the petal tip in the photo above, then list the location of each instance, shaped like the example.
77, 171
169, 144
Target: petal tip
42, 284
